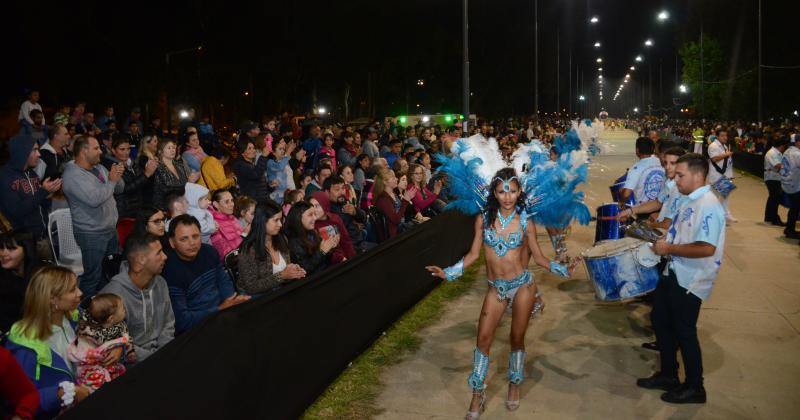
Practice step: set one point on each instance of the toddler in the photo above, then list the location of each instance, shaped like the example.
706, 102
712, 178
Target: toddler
101, 329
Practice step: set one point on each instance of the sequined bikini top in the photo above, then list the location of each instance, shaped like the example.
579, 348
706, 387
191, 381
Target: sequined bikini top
502, 246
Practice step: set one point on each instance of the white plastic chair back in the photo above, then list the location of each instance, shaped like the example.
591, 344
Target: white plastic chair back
69, 253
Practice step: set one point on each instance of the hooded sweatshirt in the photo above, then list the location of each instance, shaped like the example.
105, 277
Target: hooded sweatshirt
91, 198
345, 248
148, 311
23, 200
193, 194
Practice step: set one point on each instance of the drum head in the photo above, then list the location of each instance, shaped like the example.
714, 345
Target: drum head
613, 247
645, 256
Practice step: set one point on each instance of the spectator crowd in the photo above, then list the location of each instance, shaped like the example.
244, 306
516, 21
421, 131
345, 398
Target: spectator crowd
174, 227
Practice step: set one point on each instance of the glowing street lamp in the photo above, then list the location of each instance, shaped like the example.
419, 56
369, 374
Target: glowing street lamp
648, 43
633, 68
184, 114
597, 44
599, 69
639, 58
635, 109
683, 88
599, 60
581, 98
321, 110
594, 19
663, 15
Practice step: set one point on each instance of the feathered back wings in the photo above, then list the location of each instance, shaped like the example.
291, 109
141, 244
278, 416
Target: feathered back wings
549, 186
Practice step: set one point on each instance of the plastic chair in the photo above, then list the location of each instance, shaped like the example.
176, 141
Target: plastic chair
379, 223
231, 264
124, 229
69, 253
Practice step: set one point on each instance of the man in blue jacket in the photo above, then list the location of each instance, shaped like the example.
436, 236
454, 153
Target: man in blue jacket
198, 284
23, 197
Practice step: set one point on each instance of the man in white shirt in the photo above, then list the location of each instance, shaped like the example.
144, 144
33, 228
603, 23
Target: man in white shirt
693, 246
721, 165
790, 183
646, 178
28, 106
663, 208
772, 178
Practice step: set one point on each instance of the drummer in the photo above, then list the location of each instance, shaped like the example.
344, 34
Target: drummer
694, 246
663, 208
720, 165
645, 179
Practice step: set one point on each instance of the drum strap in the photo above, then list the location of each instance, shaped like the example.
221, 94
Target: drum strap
724, 163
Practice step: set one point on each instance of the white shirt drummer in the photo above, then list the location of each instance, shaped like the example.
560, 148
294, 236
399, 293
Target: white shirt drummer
699, 218
716, 149
772, 158
668, 198
646, 179
790, 171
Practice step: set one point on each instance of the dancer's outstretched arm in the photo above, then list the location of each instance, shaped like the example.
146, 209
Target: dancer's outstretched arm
539, 258
456, 270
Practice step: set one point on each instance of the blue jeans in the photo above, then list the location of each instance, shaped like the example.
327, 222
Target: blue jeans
95, 246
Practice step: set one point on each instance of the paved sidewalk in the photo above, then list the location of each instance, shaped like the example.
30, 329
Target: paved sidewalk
584, 356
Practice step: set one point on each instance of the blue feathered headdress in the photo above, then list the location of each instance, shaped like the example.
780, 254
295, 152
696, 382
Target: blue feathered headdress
566, 143
549, 186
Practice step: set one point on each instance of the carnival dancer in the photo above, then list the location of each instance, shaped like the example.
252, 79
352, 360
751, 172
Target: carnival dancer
693, 250
504, 203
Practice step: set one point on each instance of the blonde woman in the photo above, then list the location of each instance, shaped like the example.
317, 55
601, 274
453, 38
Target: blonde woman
39, 340
172, 174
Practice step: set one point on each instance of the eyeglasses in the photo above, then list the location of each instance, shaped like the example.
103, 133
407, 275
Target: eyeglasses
157, 221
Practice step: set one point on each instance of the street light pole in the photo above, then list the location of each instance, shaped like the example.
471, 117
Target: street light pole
465, 70
166, 84
536, 59
760, 79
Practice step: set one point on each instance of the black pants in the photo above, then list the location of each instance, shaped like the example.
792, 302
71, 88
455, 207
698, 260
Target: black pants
674, 319
771, 211
791, 219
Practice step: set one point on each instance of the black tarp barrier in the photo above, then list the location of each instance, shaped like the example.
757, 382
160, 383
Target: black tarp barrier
273, 356
749, 162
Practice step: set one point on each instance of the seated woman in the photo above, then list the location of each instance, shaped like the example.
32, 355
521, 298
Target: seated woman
251, 171
306, 247
425, 201
193, 153
390, 204
350, 196
264, 261
154, 221
229, 235
212, 171
325, 217
18, 260
39, 340
171, 174
277, 162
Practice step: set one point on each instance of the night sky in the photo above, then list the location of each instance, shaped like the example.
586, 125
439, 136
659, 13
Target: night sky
286, 54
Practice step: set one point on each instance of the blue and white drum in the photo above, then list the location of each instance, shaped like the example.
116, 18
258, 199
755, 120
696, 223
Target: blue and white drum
723, 187
608, 227
621, 269
617, 187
